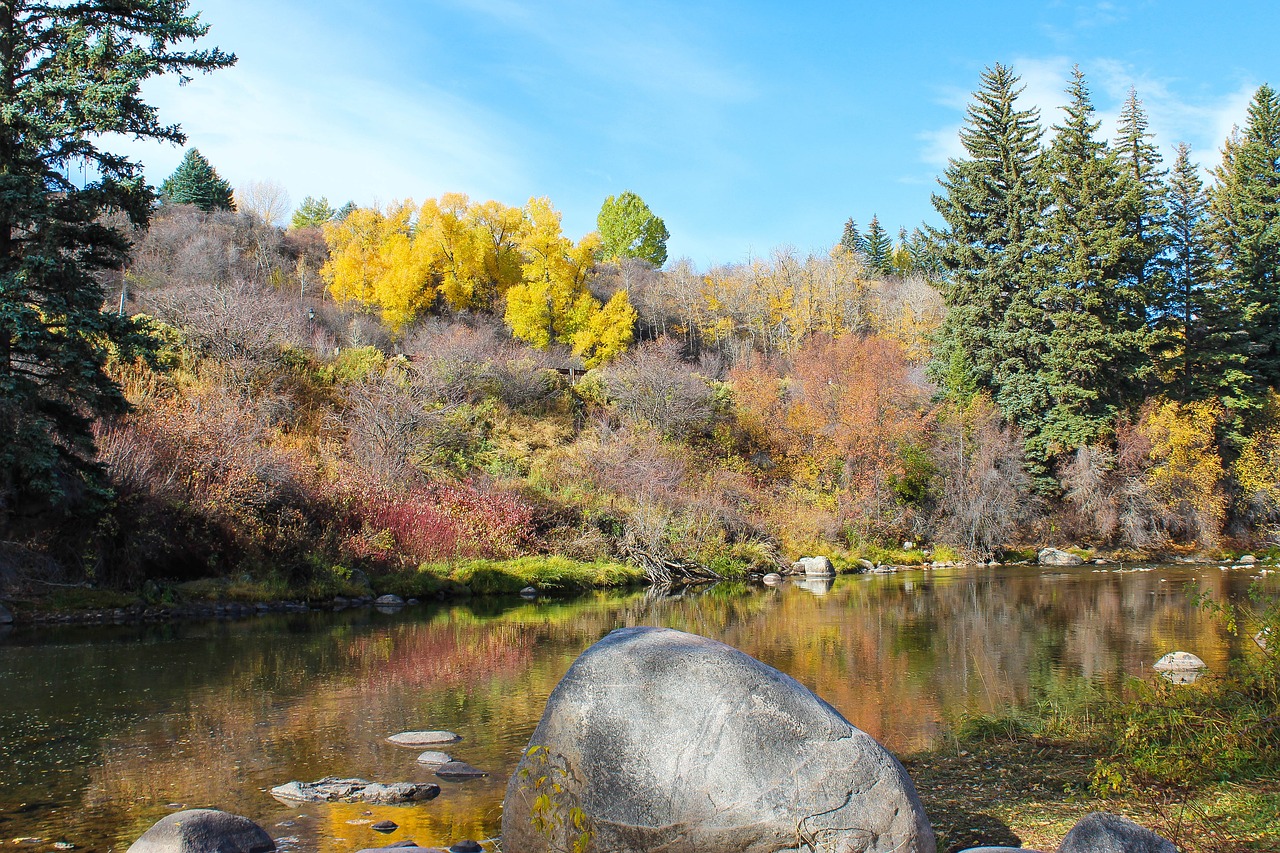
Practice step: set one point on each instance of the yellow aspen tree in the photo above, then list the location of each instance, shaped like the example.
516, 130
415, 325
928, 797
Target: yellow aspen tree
1186, 474
375, 260
608, 332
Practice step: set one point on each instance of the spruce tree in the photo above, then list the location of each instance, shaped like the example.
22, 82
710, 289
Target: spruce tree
1094, 324
990, 204
1144, 209
879, 248
196, 182
1196, 355
70, 78
851, 239
312, 213
1246, 211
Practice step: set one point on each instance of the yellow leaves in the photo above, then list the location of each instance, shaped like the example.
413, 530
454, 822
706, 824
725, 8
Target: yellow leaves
1186, 473
1257, 470
374, 259
608, 332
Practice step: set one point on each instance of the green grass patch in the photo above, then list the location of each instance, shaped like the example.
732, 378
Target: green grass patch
547, 574
74, 599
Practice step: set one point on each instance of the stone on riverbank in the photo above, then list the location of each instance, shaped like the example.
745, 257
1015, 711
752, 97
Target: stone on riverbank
388, 600
1101, 832
417, 739
814, 567
1054, 557
204, 831
667, 740
331, 789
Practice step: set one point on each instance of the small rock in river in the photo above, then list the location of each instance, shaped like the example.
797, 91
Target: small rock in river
204, 831
415, 739
385, 826
331, 789
459, 770
389, 600
466, 846
434, 757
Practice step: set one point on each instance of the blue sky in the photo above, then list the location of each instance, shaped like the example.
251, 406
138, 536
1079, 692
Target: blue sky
745, 125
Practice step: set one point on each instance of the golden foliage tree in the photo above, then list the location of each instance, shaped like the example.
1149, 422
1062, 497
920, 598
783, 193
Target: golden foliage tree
1186, 474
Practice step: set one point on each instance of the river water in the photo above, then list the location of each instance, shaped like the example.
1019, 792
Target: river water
105, 730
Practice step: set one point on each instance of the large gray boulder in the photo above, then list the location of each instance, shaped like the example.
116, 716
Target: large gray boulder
1054, 557
204, 831
1100, 832
668, 741
332, 790
814, 567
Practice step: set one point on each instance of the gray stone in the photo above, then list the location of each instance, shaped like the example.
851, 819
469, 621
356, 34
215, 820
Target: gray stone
816, 567
865, 565
1247, 560
388, 600
385, 826
459, 770
331, 789
6, 617
401, 845
417, 739
203, 831
1179, 662
670, 741
466, 845
529, 592
1100, 832
772, 579
433, 757
1054, 557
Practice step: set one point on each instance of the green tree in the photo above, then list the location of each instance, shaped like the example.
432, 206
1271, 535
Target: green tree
851, 239
71, 73
1144, 208
879, 249
196, 182
1196, 357
991, 203
1246, 209
313, 213
628, 229
1094, 326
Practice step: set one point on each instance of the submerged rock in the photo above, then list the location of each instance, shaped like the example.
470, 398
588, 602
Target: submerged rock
1101, 832
670, 741
331, 789
433, 757
1054, 557
204, 831
459, 770
1179, 662
416, 739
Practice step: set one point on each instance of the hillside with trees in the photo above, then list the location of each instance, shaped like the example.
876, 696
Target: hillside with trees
1083, 352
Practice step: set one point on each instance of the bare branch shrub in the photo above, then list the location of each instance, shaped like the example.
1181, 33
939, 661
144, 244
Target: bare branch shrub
652, 386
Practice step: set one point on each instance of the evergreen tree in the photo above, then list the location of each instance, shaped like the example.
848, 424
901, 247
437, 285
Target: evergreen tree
1145, 209
344, 211
70, 76
990, 203
196, 182
852, 239
1094, 324
1246, 209
901, 261
879, 248
313, 213
924, 255
1195, 355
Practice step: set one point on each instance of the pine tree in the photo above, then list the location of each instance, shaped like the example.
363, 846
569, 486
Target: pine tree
1144, 209
879, 248
196, 182
852, 239
1094, 345
990, 203
70, 77
1194, 343
1246, 208
313, 213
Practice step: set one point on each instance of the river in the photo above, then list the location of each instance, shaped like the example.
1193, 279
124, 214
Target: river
103, 730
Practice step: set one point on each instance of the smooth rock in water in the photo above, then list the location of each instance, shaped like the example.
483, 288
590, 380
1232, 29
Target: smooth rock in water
204, 831
6, 617
459, 770
1100, 832
816, 567
1247, 560
1054, 557
670, 741
385, 826
388, 600
466, 845
1179, 662
865, 565
772, 579
331, 789
433, 757
416, 739
529, 592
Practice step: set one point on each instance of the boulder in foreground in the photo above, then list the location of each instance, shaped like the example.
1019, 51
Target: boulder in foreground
659, 740
204, 831
1100, 832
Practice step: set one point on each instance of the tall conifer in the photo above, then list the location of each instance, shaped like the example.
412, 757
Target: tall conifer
879, 248
990, 202
1246, 210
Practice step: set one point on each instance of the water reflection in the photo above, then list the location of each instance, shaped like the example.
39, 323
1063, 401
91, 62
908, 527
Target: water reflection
102, 729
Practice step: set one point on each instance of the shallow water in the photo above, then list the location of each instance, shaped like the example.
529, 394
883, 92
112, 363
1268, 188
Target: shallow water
105, 730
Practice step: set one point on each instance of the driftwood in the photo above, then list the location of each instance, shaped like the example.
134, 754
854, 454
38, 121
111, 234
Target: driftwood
660, 567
